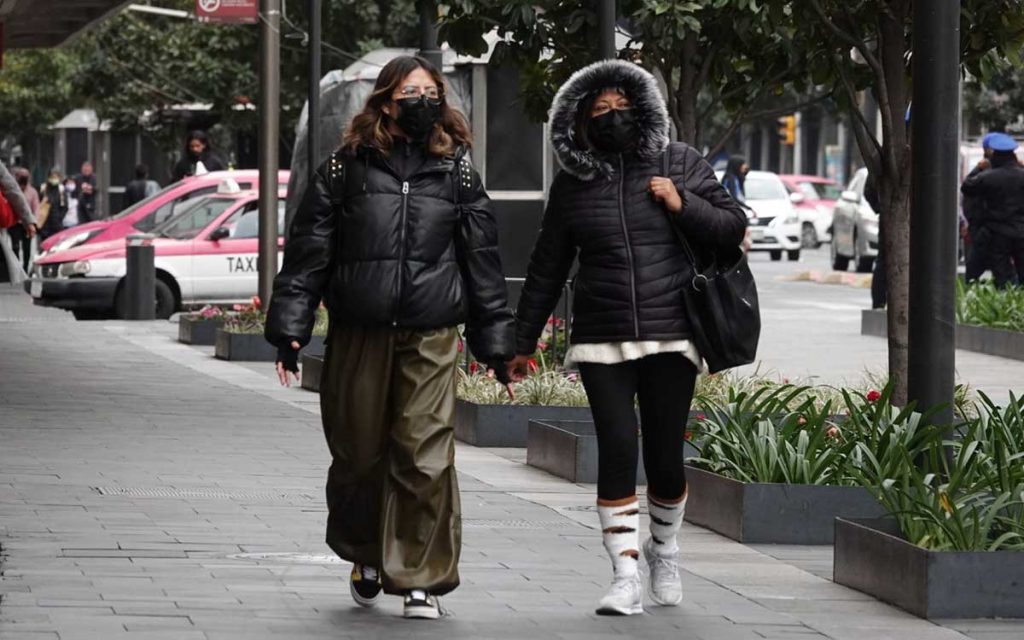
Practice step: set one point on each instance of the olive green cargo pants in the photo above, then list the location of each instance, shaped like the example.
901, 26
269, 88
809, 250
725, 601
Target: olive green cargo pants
388, 403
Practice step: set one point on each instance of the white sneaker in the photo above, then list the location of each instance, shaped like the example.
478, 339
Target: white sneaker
666, 587
420, 604
624, 598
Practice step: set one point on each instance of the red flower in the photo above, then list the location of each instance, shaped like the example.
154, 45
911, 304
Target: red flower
688, 435
785, 381
532, 365
801, 421
832, 432
474, 367
873, 396
459, 347
256, 303
542, 345
700, 417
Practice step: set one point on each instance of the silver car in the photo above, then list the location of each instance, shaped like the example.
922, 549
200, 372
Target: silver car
854, 228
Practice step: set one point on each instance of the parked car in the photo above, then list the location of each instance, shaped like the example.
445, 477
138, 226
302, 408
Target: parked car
854, 228
814, 198
206, 254
774, 224
146, 214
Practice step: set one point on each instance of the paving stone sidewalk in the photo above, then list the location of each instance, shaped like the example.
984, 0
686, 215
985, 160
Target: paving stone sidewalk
148, 491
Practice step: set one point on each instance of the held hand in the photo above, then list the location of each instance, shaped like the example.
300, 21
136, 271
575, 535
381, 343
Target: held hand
499, 372
288, 363
664, 190
518, 367
30, 230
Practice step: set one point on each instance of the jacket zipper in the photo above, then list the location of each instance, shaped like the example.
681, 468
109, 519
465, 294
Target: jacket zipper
401, 251
629, 247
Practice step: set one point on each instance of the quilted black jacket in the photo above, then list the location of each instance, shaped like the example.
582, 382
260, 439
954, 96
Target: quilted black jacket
631, 267
383, 251
996, 198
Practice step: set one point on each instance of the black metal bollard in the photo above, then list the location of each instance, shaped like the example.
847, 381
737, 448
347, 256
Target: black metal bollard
140, 279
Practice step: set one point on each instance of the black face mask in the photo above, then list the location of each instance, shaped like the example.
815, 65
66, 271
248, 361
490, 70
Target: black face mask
417, 116
615, 131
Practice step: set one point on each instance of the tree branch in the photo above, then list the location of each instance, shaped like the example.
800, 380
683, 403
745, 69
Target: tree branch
869, 145
848, 38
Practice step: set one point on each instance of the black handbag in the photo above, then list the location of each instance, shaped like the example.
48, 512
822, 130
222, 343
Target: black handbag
720, 303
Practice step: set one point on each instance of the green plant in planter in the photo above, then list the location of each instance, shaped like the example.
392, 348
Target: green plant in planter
542, 388
984, 305
251, 319
959, 494
771, 434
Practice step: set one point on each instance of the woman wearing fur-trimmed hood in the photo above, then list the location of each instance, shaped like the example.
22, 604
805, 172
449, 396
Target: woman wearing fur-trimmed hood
611, 208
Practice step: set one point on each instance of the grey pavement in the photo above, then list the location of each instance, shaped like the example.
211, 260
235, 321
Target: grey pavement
150, 491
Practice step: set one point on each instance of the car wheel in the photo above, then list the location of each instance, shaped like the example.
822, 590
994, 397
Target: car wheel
164, 300
839, 262
793, 256
775, 255
809, 237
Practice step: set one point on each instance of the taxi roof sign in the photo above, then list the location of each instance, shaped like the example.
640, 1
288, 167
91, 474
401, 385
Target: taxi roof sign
227, 186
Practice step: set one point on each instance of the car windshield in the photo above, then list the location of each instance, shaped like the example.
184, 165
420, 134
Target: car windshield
187, 224
142, 203
764, 188
820, 190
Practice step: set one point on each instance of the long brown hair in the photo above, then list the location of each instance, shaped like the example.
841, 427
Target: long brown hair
370, 126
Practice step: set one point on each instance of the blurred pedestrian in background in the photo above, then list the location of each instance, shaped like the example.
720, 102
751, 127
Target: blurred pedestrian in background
199, 157
85, 193
735, 177
54, 205
21, 237
14, 211
141, 187
980, 257
997, 198
74, 200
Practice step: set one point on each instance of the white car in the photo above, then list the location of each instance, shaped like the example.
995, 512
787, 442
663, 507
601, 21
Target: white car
854, 228
774, 221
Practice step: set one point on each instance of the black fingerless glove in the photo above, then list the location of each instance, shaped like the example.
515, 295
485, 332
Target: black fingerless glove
288, 356
500, 371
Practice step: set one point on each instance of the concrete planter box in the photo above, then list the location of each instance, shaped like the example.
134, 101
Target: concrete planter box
312, 366
506, 425
198, 331
871, 556
994, 342
773, 513
252, 347
568, 449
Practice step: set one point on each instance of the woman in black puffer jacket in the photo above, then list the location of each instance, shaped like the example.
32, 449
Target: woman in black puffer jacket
395, 233
611, 208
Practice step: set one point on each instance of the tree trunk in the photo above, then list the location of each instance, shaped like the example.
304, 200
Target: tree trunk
685, 116
895, 222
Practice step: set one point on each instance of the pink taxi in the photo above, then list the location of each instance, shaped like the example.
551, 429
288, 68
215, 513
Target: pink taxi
143, 216
204, 254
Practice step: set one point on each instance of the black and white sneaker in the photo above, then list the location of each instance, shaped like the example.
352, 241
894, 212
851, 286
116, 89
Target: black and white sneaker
364, 585
420, 604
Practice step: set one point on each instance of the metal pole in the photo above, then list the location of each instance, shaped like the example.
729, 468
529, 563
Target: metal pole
933, 217
140, 277
313, 112
270, 107
606, 29
429, 33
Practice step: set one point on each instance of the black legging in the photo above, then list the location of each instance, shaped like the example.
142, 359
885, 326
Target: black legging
664, 384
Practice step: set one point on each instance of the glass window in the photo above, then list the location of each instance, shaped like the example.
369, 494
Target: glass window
764, 188
155, 217
245, 222
819, 190
187, 224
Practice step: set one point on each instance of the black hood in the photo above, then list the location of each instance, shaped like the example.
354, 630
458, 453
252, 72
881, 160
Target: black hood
648, 105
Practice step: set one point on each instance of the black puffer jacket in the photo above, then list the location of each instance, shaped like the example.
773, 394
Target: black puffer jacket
383, 251
999, 196
631, 267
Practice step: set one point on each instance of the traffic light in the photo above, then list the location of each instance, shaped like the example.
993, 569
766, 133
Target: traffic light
787, 130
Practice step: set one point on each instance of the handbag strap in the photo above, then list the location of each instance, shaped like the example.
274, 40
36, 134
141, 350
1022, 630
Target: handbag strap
666, 171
